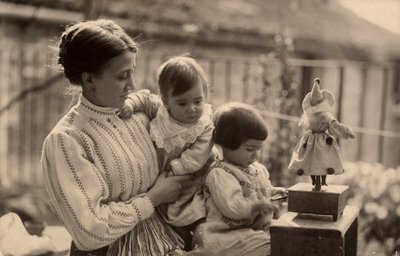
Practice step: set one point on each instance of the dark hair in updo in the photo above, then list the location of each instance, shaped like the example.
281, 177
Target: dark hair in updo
237, 122
89, 45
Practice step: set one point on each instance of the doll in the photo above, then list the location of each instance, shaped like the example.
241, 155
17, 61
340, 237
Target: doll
317, 152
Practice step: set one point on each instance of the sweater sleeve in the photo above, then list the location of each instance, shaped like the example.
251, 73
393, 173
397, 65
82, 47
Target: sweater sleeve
193, 158
227, 194
144, 101
79, 194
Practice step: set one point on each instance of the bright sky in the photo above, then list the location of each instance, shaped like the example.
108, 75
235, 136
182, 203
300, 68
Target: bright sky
385, 13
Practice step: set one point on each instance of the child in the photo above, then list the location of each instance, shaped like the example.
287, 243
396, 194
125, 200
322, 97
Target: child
237, 188
181, 130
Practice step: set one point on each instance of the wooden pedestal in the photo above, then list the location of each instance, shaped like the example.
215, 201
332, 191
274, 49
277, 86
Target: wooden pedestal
312, 235
331, 201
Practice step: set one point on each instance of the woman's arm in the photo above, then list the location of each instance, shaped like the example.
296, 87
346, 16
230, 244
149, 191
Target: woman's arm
193, 158
80, 195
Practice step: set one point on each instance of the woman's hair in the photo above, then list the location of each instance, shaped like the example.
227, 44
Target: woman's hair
88, 46
179, 74
237, 122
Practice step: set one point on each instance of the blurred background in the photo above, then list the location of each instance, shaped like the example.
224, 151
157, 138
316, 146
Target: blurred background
262, 52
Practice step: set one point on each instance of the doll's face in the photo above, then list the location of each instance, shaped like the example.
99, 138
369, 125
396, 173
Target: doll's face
318, 121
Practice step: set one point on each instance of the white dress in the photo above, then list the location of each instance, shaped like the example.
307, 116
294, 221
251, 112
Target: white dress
183, 148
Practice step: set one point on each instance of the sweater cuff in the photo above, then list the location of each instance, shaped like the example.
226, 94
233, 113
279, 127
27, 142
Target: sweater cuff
145, 206
177, 167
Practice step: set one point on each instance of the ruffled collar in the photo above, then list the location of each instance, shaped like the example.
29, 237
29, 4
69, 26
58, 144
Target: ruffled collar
87, 106
170, 134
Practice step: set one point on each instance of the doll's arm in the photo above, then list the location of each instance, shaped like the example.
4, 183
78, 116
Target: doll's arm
339, 130
141, 101
193, 158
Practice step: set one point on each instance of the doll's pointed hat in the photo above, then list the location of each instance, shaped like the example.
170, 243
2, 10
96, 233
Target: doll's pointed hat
318, 100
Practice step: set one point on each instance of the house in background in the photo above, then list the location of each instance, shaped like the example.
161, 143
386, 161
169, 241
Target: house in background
233, 40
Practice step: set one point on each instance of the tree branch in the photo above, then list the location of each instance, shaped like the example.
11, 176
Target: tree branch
34, 89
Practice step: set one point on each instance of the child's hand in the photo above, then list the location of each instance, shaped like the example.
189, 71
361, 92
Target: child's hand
126, 111
279, 193
261, 222
262, 208
262, 214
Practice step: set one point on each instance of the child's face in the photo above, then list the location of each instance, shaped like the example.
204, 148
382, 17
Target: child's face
246, 154
187, 107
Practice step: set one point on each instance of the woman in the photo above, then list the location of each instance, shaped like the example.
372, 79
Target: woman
101, 171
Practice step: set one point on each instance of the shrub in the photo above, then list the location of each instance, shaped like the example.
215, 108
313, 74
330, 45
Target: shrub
376, 191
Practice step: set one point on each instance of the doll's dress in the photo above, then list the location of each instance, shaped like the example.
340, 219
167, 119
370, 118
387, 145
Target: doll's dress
317, 153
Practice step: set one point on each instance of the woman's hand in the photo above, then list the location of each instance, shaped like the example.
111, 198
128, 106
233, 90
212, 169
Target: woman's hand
166, 189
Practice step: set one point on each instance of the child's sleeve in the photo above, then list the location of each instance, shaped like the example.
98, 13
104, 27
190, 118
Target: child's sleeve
339, 130
227, 194
144, 101
265, 174
193, 158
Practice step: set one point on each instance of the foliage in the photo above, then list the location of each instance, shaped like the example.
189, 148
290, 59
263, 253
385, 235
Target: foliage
284, 101
30, 202
376, 191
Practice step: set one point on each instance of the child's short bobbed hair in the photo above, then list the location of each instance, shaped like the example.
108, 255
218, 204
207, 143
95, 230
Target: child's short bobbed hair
237, 122
179, 74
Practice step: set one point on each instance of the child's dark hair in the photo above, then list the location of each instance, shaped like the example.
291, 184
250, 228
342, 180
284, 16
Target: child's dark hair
237, 122
179, 74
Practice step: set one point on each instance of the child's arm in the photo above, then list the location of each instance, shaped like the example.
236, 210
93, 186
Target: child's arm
227, 194
193, 158
141, 101
277, 193
339, 130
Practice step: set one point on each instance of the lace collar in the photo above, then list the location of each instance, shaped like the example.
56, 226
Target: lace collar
170, 134
87, 106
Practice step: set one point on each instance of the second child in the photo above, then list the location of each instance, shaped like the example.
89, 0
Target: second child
182, 131
238, 189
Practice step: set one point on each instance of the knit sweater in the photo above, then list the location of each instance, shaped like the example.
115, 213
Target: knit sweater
97, 170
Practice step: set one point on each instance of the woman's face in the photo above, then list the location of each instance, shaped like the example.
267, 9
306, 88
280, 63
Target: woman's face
113, 84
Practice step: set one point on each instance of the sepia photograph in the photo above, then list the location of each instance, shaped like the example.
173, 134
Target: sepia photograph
199, 128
